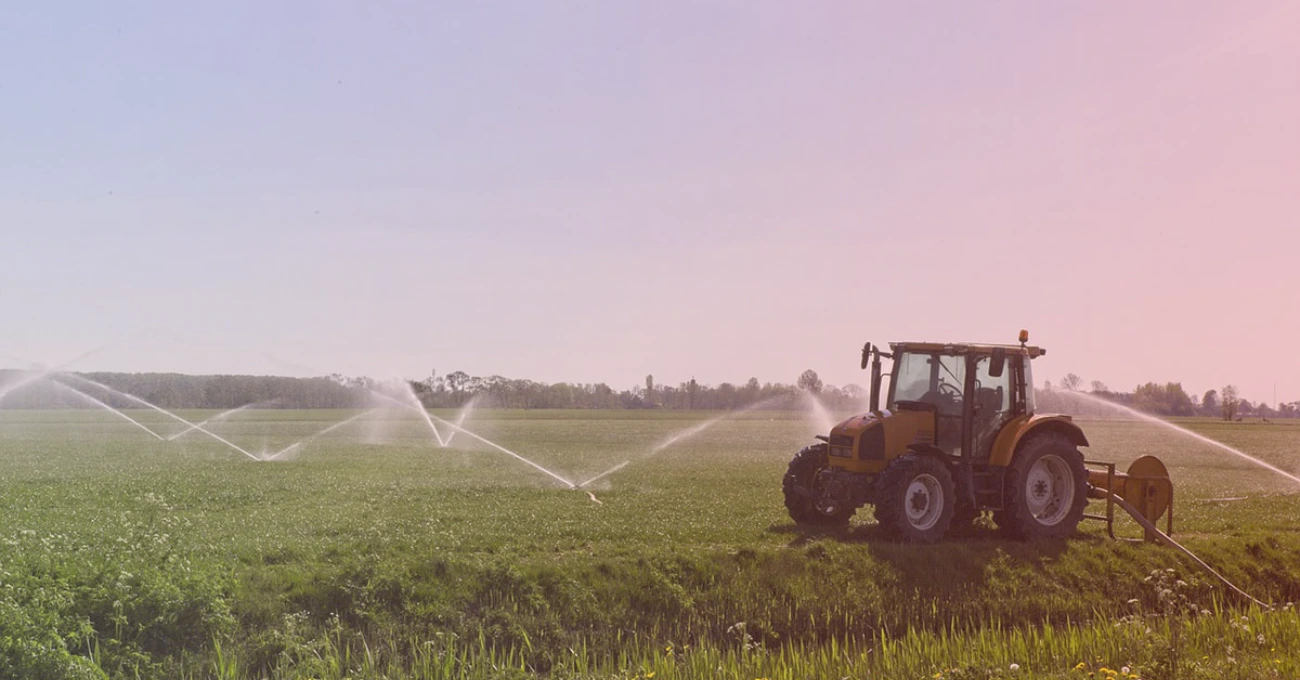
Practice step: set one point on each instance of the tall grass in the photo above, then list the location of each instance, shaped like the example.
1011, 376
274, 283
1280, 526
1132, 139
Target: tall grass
1247, 643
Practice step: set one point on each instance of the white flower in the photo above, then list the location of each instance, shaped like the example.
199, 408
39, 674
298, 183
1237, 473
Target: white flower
1015, 667
1124, 670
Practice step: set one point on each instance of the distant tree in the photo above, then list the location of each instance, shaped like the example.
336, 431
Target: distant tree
650, 390
810, 382
1229, 401
1071, 382
1210, 403
1151, 398
433, 383
1168, 399
457, 381
1099, 387
692, 390
725, 396
749, 393
1176, 397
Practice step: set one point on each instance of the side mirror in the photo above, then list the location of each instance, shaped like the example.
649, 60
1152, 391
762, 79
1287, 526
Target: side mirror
998, 362
866, 354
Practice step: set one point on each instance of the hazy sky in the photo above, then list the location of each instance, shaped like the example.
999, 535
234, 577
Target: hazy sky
597, 191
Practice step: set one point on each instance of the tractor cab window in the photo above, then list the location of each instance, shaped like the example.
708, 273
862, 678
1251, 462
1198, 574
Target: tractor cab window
932, 379
1028, 371
911, 377
994, 401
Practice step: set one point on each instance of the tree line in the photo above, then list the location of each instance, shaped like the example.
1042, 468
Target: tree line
1165, 399
457, 388
453, 390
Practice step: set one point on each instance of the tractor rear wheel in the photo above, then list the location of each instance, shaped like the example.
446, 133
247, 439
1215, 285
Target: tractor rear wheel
1046, 489
802, 491
915, 499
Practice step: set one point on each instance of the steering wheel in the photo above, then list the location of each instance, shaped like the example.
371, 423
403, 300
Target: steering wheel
946, 396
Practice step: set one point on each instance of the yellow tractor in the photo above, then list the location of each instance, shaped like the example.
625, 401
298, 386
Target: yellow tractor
958, 436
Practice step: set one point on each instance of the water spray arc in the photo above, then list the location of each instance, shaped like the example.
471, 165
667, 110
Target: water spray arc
460, 419
457, 427
676, 437
40, 372
419, 406
219, 416
824, 420
103, 405
418, 409
27, 379
163, 411
506, 451
1199, 437
605, 474
306, 440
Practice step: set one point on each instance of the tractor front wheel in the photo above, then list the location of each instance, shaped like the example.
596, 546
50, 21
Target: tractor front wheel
1046, 489
915, 499
803, 493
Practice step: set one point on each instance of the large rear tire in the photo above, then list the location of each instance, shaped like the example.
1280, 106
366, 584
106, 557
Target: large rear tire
1046, 489
915, 499
802, 490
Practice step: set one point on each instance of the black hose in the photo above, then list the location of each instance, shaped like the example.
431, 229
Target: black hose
1163, 538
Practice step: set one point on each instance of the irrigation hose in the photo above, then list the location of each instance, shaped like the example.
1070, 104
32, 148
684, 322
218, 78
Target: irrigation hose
1165, 539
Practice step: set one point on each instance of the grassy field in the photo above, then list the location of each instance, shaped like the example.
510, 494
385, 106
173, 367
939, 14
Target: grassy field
372, 552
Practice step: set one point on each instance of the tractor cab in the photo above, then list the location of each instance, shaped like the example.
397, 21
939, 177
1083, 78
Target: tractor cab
972, 390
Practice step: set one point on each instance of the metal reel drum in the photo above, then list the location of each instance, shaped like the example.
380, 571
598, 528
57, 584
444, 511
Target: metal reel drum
1147, 487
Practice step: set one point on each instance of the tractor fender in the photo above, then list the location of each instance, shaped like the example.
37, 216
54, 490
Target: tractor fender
930, 450
1015, 431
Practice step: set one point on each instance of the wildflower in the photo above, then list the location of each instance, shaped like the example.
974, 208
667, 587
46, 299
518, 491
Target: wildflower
1015, 667
1124, 670
1080, 666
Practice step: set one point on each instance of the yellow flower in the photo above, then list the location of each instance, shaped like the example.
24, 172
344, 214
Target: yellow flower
1080, 666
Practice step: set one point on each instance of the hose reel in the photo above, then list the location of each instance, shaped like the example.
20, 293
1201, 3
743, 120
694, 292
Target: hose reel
1146, 487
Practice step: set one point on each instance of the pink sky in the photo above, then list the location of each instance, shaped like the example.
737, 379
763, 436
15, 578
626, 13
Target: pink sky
593, 193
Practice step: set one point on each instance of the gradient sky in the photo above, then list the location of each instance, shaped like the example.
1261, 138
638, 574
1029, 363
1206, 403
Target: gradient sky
597, 191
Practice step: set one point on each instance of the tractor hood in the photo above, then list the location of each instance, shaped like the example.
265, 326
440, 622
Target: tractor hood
858, 423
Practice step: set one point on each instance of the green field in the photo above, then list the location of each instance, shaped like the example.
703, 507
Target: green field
372, 552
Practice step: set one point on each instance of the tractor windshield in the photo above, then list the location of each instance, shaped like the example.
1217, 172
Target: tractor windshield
931, 378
